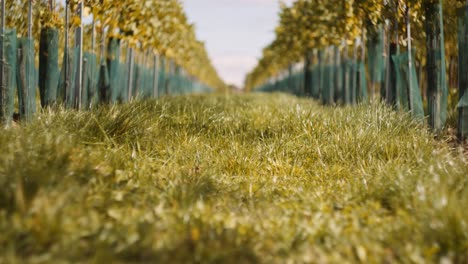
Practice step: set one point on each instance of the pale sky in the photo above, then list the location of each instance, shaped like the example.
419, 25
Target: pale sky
235, 32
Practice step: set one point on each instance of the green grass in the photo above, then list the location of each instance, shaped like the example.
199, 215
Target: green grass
240, 179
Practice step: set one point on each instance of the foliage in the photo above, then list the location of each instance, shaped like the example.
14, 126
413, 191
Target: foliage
242, 179
159, 25
314, 24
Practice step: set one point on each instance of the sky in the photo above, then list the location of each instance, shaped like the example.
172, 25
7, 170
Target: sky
234, 32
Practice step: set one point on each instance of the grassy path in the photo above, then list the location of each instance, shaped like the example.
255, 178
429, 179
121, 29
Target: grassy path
241, 179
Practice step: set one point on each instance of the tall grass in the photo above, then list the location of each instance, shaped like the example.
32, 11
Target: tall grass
239, 179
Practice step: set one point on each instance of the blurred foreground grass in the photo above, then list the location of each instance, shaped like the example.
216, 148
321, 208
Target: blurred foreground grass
241, 179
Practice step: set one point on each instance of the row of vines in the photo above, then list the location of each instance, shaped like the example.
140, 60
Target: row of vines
410, 53
83, 52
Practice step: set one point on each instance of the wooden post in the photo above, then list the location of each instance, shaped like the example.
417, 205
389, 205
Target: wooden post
388, 58
67, 51
410, 59
79, 45
84, 92
3, 92
392, 94
130, 72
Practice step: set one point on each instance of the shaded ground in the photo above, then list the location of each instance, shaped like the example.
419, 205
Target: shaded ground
241, 179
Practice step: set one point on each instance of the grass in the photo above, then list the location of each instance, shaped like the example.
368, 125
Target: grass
239, 179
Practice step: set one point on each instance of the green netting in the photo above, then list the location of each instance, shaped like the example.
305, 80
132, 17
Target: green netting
26, 78
280, 85
293, 84
300, 83
321, 73
409, 96
344, 82
180, 85
155, 76
48, 66
315, 82
296, 84
168, 79
113, 55
179, 82
67, 85
463, 119
143, 81
346, 73
11, 48
332, 81
274, 85
327, 88
123, 82
148, 83
162, 78
139, 80
90, 79
183, 84
361, 85
84, 102
308, 83
338, 79
143, 88
437, 80
175, 80
375, 58
265, 88
290, 82
87, 79
64, 86
287, 84
463, 74
283, 85
401, 92
135, 81
392, 89
338, 84
103, 83
189, 85
144, 84
353, 73
7, 93
296, 81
